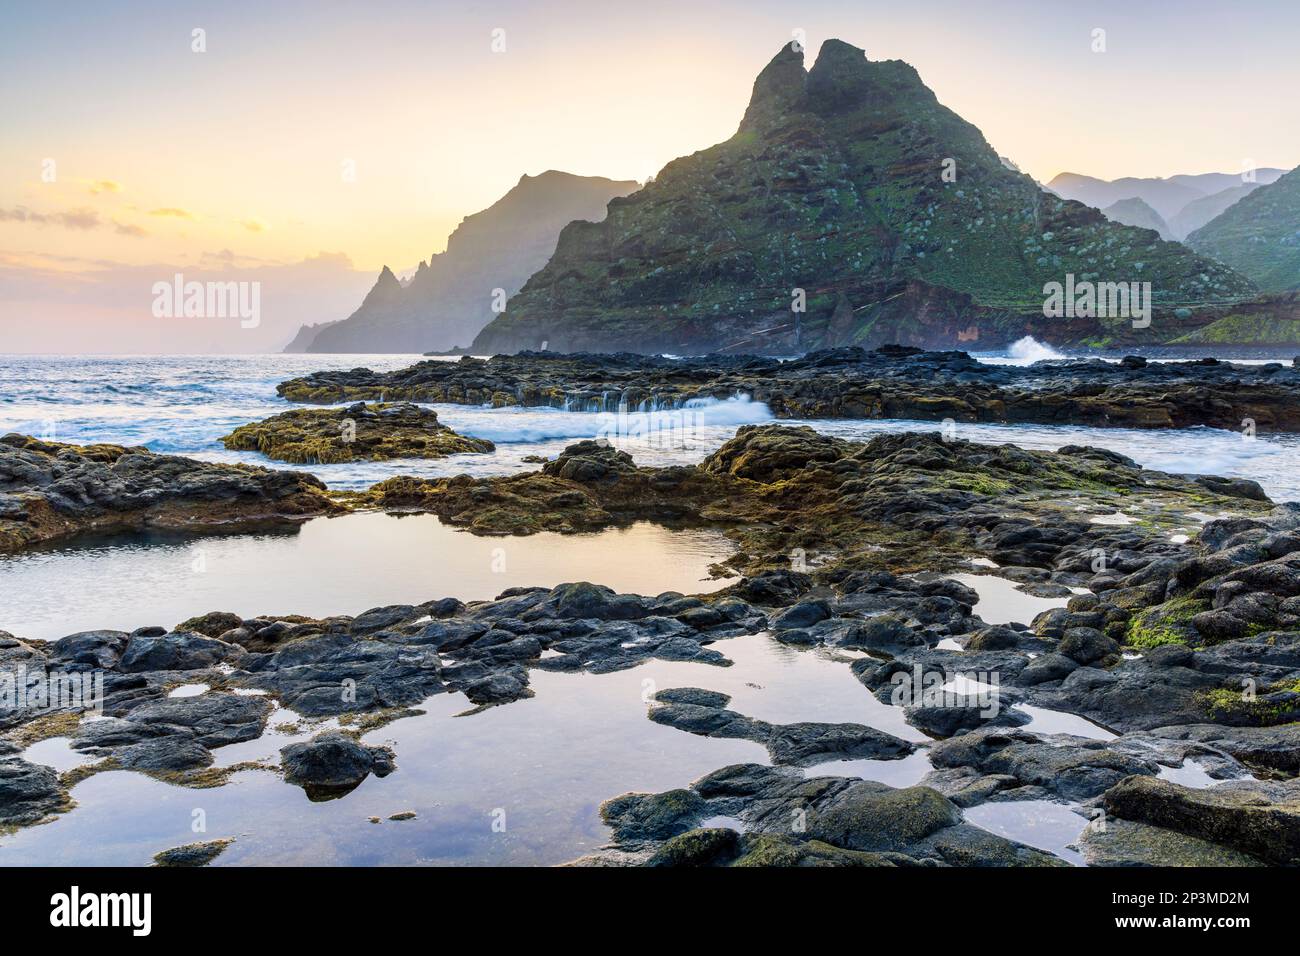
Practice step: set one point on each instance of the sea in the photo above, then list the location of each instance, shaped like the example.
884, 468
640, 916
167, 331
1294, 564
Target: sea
517, 784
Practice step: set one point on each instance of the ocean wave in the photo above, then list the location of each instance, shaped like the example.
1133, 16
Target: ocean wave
531, 425
1028, 350
1216, 452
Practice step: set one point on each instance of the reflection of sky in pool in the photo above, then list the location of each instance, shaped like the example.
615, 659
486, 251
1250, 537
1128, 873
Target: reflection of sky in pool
329, 566
547, 762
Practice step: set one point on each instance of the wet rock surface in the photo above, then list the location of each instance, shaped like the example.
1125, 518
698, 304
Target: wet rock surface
382, 661
192, 854
29, 793
50, 490
331, 764
1258, 818
850, 382
1183, 658
929, 503
787, 819
1126, 843
704, 712
1071, 768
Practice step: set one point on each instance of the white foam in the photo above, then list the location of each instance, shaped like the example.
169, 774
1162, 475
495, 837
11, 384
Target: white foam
1028, 350
514, 425
1024, 351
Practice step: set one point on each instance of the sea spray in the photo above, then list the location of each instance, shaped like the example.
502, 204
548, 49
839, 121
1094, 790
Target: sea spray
519, 425
1027, 350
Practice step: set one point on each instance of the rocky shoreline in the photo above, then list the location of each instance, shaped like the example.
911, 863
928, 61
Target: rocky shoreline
375, 432
51, 491
890, 382
1186, 651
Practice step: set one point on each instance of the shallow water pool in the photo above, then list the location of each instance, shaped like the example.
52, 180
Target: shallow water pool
510, 785
328, 566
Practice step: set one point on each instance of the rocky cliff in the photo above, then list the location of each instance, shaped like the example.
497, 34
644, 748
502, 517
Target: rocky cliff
850, 190
450, 297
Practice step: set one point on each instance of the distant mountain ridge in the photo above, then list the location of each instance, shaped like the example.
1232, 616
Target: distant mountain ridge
1182, 201
832, 194
1134, 212
450, 297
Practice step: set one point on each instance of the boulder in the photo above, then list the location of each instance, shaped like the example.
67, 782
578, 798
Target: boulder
332, 763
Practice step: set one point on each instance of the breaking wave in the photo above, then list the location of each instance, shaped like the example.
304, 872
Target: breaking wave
1028, 350
513, 425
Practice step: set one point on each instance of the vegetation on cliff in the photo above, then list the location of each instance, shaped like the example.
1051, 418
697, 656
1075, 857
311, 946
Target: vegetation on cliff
1259, 235
850, 182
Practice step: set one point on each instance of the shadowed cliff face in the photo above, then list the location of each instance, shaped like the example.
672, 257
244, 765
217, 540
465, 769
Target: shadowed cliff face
835, 184
450, 298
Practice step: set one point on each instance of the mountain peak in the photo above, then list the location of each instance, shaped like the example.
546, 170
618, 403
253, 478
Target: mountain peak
841, 77
386, 288
778, 87
1134, 211
834, 184
448, 299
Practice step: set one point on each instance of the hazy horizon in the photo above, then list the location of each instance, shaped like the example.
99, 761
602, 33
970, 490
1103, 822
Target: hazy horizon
305, 147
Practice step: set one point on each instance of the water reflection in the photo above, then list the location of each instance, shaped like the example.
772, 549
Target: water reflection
330, 566
543, 765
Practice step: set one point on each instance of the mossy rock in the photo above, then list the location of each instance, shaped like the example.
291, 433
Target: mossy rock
701, 847
1268, 707
870, 816
192, 854
769, 849
1168, 623
360, 432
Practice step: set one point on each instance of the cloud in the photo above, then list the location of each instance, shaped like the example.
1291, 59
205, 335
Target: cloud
129, 229
228, 259
172, 212
69, 218
98, 186
104, 306
79, 219
253, 224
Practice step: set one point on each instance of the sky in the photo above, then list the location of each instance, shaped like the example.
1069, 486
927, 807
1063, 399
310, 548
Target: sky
309, 144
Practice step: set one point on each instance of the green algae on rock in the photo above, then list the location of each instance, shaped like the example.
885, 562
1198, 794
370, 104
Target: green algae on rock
862, 517
192, 854
1260, 819
907, 502
790, 820
376, 432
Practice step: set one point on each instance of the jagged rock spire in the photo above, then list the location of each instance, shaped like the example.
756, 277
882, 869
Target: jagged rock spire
841, 77
384, 289
779, 87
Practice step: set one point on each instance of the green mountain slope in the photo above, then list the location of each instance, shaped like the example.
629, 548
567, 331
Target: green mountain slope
1259, 235
835, 184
